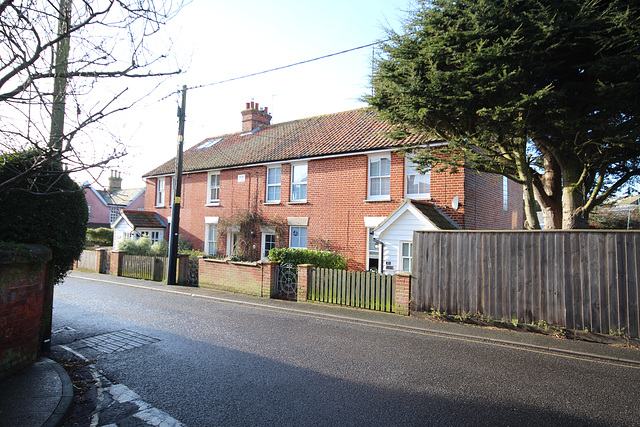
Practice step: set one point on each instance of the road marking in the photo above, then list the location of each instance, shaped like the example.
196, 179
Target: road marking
123, 394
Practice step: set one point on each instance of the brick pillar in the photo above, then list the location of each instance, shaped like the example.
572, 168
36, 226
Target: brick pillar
183, 268
403, 293
269, 278
100, 254
116, 260
304, 275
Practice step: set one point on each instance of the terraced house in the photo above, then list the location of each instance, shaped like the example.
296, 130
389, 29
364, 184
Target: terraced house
332, 182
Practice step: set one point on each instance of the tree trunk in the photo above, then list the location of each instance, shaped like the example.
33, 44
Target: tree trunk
548, 190
530, 215
574, 215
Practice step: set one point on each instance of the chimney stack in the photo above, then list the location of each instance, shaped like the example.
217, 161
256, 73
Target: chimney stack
253, 117
115, 182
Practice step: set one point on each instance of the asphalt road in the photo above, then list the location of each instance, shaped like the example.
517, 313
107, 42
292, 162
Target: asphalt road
208, 362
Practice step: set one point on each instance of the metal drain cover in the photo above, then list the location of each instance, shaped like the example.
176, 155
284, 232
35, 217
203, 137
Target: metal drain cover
118, 341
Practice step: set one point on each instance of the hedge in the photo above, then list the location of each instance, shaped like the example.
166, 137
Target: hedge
321, 259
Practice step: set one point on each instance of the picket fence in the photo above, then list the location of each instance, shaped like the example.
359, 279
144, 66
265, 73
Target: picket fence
144, 267
368, 290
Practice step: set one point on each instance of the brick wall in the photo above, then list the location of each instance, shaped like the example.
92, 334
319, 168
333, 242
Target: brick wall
336, 203
246, 278
484, 203
23, 284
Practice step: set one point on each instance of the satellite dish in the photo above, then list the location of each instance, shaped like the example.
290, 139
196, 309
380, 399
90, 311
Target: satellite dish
455, 203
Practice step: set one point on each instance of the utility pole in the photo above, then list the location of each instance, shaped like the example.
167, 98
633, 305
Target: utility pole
56, 134
177, 183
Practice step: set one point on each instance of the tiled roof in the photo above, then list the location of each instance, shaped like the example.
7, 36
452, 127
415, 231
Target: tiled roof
340, 133
144, 219
119, 197
434, 215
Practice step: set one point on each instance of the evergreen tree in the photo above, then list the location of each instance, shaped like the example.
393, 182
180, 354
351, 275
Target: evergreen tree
543, 92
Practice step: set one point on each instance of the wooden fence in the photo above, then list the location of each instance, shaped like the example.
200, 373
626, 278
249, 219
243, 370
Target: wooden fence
87, 261
354, 289
144, 267
576, 279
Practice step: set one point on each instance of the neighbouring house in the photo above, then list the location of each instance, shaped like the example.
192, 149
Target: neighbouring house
135, 224
105, 205
334, 182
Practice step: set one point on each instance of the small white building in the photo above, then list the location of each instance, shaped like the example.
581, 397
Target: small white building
394, 235
135, 224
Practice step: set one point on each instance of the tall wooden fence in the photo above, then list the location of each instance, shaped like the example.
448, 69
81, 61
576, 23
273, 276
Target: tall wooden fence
87, 261
352, 288
576, 279
144, 267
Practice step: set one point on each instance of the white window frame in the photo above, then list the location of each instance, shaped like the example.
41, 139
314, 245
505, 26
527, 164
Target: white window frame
505, 193
160, 190
274, 185
371, 248
299, 183
153, 235
370, 178
210, 199
410, 170
292, 231
211, 239
263, 247
114, 214
402, 257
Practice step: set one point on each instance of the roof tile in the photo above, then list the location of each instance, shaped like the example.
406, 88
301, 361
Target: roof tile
332, 134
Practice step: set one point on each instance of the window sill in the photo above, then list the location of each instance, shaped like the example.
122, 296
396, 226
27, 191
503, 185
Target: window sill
273, 203
212, 204
159, 206
418, 196
298, 202
386, 199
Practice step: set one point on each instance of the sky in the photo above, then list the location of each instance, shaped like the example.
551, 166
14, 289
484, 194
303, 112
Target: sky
219, 40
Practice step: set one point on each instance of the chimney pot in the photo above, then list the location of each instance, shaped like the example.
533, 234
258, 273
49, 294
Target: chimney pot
253, 117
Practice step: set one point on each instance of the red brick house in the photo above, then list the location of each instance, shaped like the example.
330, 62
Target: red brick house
332, 182
105, 205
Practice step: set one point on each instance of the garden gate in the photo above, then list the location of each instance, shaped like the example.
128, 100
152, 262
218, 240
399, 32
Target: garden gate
286, 281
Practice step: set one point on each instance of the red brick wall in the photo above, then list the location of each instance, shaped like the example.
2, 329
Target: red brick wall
22, 294
336, 206
484, 203
245, 278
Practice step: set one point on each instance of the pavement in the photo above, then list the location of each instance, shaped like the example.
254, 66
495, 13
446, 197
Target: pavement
42, 394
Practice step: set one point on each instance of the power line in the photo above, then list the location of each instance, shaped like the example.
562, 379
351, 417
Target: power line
277, 68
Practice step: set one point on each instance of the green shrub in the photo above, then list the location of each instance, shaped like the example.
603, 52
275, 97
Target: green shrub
159, 248
48, 209
141, 246
184, 245
321, 259
100, 236
192, 253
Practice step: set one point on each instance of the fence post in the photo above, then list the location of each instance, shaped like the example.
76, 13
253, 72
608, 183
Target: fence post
403, 293
115, 268
304, 272
183, 268
269, 278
